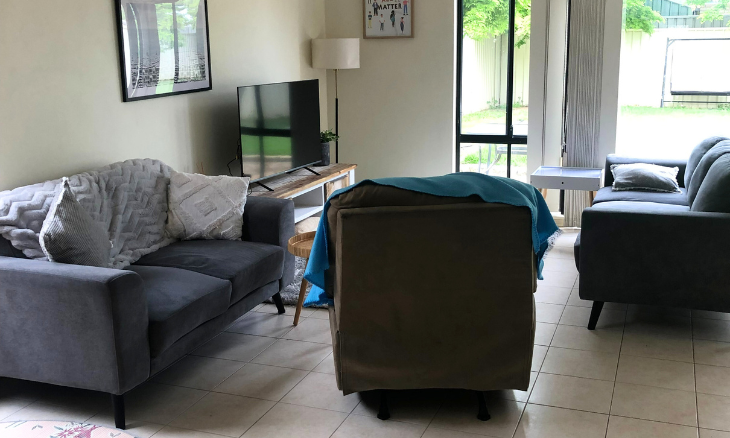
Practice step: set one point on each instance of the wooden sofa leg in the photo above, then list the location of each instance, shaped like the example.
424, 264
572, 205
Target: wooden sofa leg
279, 303
118, 405
383, 411
483, 414
595, 313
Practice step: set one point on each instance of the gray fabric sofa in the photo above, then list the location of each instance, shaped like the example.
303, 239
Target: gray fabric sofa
110, 330
665, 249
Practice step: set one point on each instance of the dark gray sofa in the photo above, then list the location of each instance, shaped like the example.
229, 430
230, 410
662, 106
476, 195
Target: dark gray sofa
110, 330
659, 249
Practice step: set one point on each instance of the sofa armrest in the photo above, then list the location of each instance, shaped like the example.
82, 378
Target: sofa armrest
269, 220
655, 254
617, 159
72, 325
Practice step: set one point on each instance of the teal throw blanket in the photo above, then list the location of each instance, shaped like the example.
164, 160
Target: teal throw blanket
459, 185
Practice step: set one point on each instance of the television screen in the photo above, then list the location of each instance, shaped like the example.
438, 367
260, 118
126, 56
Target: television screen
279, 127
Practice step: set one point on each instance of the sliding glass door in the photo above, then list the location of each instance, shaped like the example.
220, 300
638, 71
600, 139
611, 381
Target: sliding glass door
493, 65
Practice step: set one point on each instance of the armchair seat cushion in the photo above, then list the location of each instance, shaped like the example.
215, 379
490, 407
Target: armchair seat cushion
247, 265
178, 301
607, 194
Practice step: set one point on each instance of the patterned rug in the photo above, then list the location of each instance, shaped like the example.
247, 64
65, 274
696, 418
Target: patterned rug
57, 429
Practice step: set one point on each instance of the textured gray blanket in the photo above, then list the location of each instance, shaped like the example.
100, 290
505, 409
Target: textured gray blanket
127, 199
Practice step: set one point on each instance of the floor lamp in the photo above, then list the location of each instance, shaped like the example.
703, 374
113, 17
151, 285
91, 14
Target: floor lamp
336, 54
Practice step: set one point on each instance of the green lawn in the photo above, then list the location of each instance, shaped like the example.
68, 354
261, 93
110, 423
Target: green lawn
493, 115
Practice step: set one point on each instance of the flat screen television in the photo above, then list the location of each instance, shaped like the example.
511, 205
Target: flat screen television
279, 128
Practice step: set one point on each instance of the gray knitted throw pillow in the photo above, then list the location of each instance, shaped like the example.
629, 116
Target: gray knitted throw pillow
206, 207
70, 235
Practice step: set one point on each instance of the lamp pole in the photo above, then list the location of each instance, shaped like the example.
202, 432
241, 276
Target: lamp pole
337, 120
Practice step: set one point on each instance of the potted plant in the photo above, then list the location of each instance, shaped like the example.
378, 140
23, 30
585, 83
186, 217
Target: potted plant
326, 137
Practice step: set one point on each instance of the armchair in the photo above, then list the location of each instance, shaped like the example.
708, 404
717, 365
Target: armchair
429, 292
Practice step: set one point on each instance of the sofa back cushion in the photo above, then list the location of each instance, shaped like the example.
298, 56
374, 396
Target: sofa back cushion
714, 193
129, 199
704, 166
8, 250
696, 156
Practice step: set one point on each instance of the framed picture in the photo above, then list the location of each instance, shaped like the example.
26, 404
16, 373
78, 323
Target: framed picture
388, 18
163, 47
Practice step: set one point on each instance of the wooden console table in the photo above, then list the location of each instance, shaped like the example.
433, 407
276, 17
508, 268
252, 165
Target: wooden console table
308, 191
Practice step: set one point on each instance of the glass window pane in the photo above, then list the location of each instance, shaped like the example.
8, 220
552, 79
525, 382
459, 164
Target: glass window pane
673, 82
491, 159
521, 99
484, 67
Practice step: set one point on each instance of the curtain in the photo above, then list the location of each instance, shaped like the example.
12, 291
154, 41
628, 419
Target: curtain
583, 95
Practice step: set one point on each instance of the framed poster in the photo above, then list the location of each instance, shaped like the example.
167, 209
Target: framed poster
388, 19
163, 47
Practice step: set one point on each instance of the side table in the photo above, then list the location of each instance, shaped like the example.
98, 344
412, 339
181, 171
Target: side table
301, 246
567, 178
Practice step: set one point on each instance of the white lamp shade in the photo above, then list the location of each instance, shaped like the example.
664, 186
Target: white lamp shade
336, 53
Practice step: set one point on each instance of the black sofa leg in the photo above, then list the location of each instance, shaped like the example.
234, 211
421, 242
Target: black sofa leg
383, 412
118, 404
279, 303
595, 313
483, 414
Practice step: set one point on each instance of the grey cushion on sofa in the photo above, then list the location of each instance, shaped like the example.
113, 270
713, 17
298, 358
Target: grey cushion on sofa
703, 168
247, 265
607, 194
696, 156
612, 159
178, 301
714, 193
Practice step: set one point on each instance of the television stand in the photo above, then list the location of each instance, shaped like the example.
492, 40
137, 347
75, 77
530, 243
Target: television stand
308, 188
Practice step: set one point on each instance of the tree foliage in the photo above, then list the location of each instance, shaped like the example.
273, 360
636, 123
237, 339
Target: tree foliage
490, 18
639, 16
715, 12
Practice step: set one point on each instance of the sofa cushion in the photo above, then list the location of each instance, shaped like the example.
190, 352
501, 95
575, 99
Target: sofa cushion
703, 168
8, 250
70, 235
248, 265
178, 301
644, 176
639, 207
696, 156
607, 194
714, 194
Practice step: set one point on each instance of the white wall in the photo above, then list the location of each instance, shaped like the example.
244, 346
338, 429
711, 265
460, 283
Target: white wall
61, 109
397, 110
609, 87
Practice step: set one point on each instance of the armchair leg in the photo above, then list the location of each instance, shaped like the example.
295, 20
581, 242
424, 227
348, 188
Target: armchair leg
118, 405
383, 412
483, 414
595, 313
279, 303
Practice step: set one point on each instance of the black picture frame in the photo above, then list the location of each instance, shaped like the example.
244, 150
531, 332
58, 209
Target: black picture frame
205, 85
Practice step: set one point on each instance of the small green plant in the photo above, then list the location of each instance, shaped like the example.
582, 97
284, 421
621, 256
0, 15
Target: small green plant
328, 136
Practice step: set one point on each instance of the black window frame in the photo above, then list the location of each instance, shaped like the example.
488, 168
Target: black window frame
508, 138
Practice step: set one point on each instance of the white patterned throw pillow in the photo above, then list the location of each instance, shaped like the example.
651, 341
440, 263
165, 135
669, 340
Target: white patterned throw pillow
206, 207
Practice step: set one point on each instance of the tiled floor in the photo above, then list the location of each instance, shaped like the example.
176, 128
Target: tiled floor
645, 372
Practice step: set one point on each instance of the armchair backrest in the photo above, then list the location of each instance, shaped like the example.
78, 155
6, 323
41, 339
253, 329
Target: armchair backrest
436, 293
